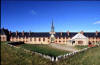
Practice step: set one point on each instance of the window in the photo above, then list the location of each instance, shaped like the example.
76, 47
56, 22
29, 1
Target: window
34, 39
80, 42
59, 41
63, 37
96, 37
43, 39
39, 39
30, 39
3, 38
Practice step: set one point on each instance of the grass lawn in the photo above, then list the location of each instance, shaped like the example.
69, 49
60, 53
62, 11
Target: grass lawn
13, 56
44, 49
89, 57
81, 47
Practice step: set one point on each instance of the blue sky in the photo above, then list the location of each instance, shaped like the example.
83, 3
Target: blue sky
37, 15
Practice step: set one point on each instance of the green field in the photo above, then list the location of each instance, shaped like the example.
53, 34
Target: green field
13, 56
81, 47
89, 57
44, 49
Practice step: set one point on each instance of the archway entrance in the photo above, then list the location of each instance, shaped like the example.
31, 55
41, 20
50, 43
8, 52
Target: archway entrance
73, 42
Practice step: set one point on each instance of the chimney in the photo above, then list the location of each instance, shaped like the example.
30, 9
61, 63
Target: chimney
61, 33
82, 32
96, 33
9, 32
16, 33
68, 32
23, 33
30, 32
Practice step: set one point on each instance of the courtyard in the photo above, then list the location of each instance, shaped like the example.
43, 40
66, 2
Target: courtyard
11, 55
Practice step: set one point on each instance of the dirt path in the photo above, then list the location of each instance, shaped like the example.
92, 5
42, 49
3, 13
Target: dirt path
64, 47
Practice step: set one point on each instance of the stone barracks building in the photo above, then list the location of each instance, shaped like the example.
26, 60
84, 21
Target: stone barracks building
71, 38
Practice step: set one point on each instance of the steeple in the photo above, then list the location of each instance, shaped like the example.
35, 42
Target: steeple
52, 32
52, 27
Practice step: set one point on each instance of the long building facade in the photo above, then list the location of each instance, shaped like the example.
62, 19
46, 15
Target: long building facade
72, 38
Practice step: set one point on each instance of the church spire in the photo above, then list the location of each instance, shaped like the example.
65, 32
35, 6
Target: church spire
52, 27
52, 36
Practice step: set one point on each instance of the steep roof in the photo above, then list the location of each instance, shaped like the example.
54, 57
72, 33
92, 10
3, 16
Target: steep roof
79, 36
58, 34
64, 34
32, 34
91, 34
4, 32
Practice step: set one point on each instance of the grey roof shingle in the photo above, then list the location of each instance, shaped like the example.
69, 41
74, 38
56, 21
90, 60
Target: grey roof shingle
58, 34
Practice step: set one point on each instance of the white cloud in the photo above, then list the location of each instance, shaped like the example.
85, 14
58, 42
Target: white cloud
33, 12
97, 22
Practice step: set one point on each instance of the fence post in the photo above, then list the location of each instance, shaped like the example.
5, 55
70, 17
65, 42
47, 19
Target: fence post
52, 58
56, 59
